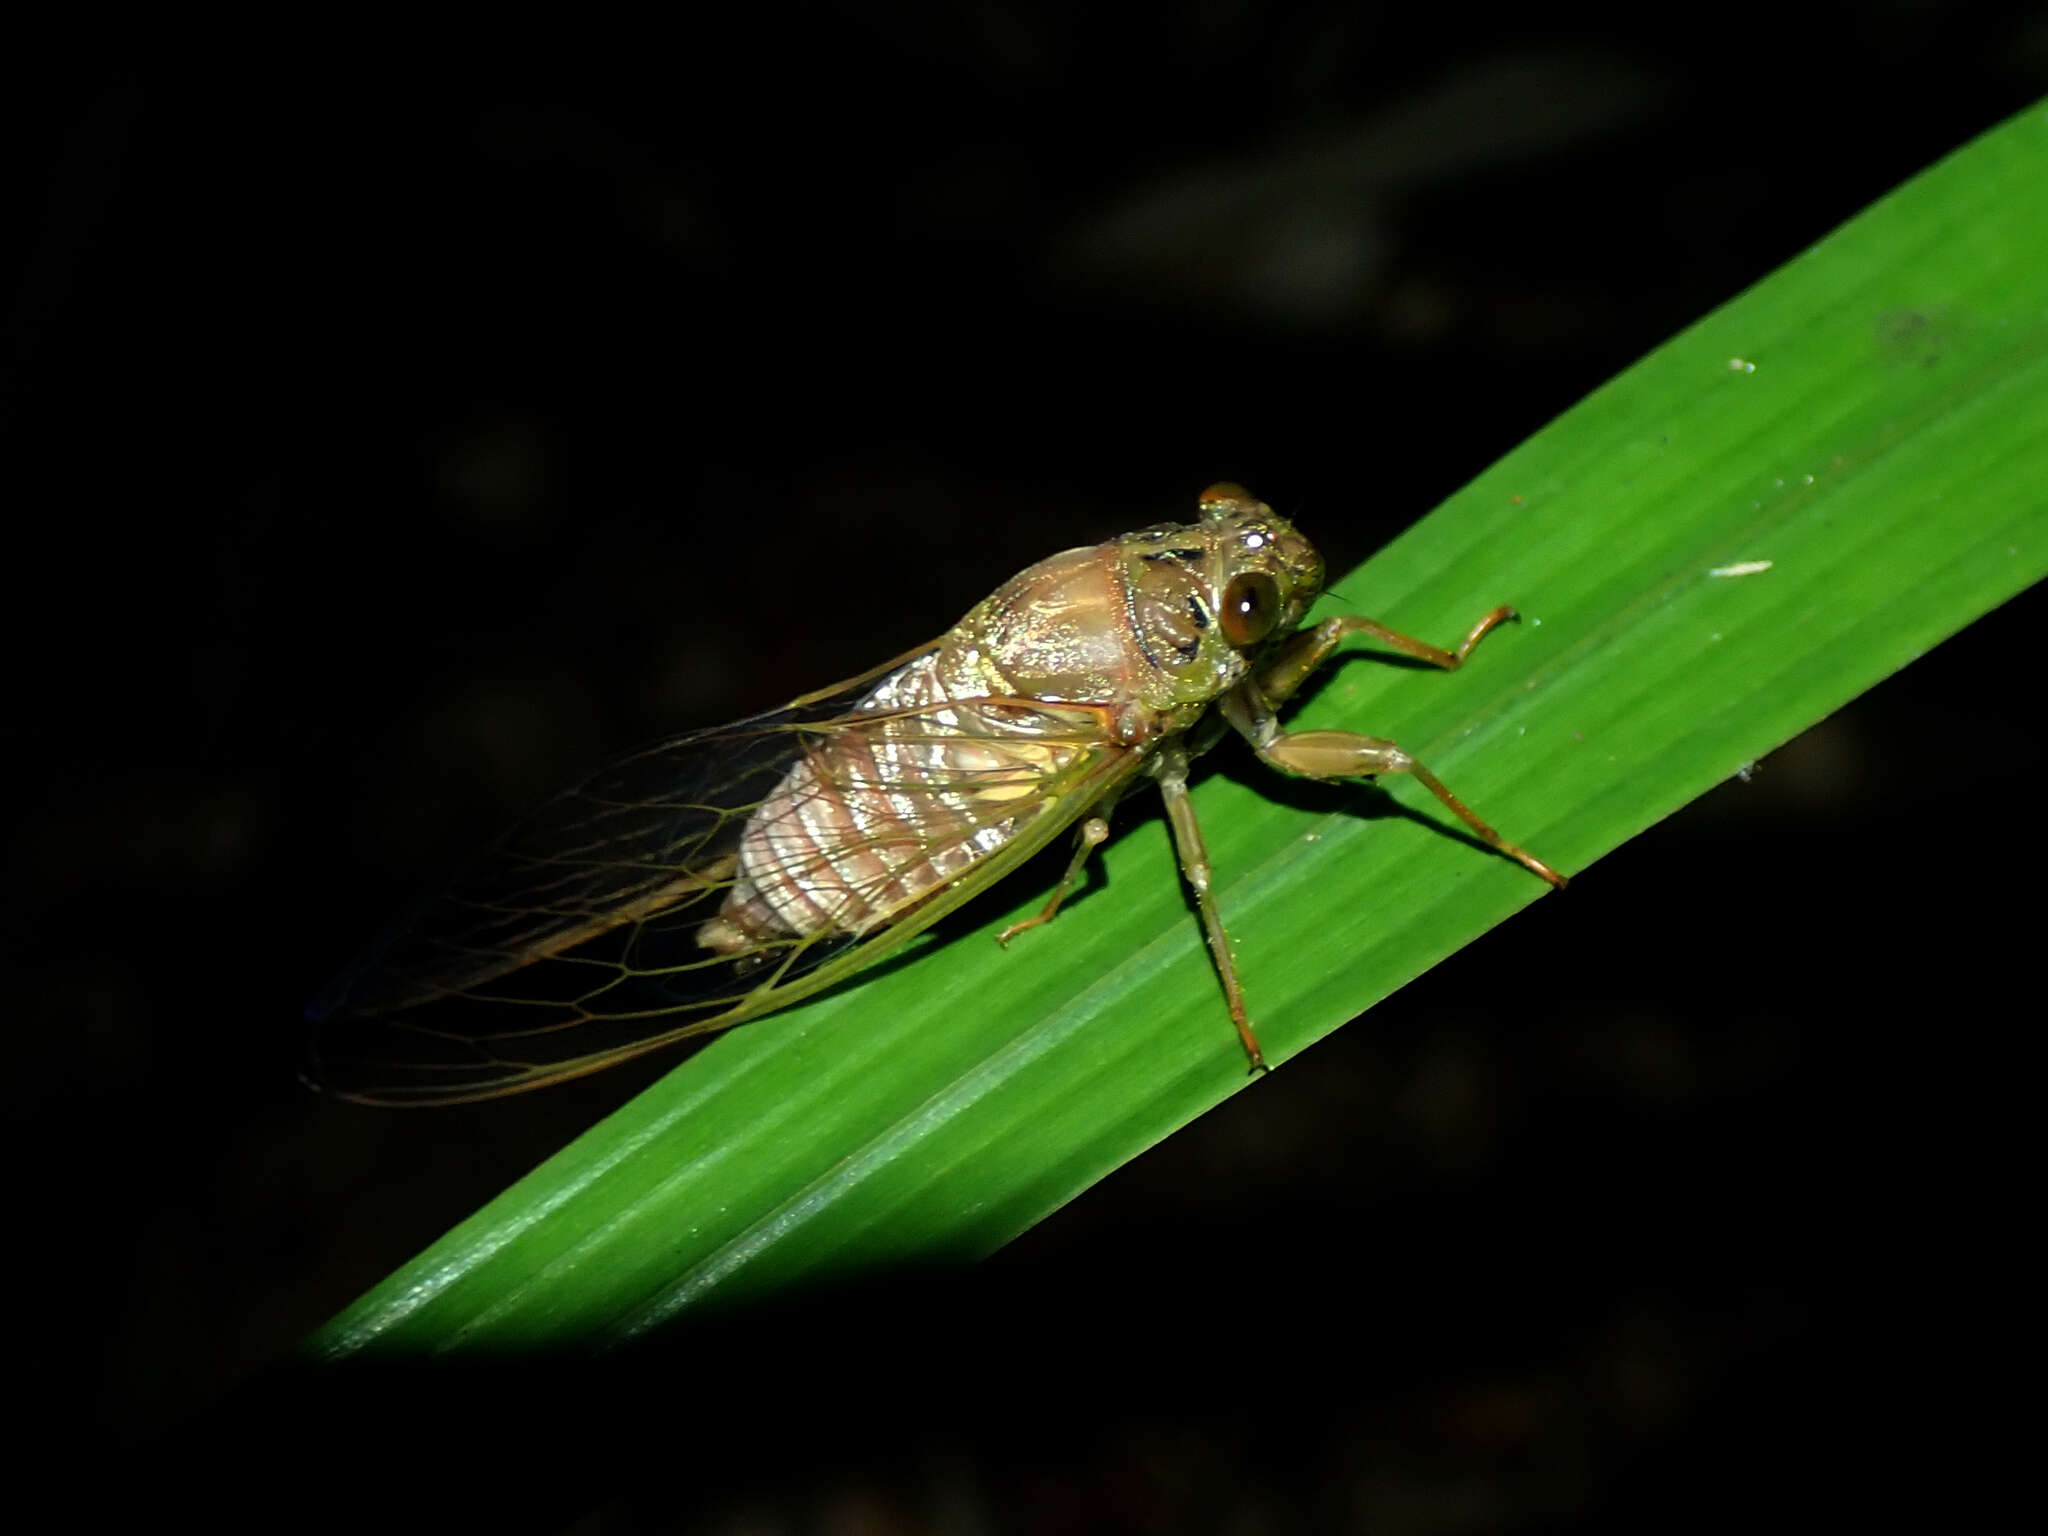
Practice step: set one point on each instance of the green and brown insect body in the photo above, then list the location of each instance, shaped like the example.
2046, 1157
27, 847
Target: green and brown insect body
960, 749
724, 874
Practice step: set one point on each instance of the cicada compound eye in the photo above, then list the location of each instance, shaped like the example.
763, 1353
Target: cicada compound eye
1251, 607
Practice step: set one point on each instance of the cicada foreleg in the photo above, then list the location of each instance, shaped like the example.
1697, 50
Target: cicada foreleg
1251, 708
1297, 659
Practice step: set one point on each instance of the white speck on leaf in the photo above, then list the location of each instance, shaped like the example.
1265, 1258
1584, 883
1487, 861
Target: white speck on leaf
1741, 568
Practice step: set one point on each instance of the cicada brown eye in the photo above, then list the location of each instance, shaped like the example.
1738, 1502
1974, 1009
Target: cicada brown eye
1251, 607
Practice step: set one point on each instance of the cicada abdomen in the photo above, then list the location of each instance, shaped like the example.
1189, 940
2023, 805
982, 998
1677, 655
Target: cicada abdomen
907, 796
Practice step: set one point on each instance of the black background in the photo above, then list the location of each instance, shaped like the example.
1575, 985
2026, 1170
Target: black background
406, 428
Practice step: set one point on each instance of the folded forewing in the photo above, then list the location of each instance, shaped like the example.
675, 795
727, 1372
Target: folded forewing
580, 937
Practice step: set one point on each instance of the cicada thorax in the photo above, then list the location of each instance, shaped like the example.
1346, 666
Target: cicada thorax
1106, 649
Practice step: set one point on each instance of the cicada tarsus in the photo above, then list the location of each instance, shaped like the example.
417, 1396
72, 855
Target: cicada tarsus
726, 873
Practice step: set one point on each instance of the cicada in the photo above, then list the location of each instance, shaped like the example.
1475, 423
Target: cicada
723, 874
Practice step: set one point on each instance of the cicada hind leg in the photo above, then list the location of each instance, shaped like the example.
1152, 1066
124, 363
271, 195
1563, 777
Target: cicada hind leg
1093, 833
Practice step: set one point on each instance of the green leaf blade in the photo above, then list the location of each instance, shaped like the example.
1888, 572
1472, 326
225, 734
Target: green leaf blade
1872, 420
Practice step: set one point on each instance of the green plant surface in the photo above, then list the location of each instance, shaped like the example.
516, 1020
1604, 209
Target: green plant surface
1769, 514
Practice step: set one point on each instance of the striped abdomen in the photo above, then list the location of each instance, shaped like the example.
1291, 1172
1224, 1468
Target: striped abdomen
881, 813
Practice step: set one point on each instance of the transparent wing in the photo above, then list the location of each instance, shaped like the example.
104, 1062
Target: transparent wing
580, 937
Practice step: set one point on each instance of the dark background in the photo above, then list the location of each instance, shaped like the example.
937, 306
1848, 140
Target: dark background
404, 429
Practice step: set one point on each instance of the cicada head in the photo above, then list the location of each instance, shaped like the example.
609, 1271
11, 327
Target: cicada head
1205, 597
1256, 546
